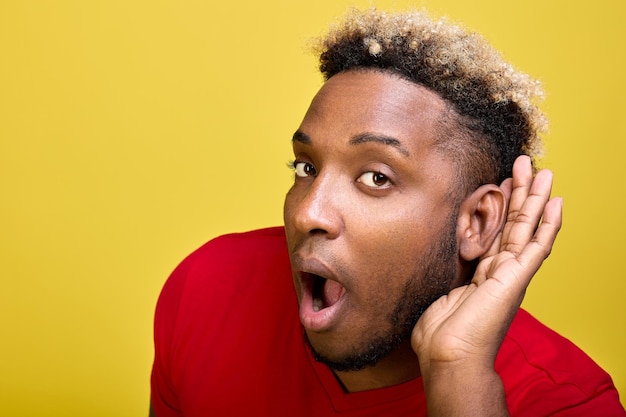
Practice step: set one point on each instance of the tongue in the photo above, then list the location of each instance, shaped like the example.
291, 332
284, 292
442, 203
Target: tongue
332, 292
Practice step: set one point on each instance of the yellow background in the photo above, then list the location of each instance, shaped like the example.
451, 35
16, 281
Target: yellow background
133, 131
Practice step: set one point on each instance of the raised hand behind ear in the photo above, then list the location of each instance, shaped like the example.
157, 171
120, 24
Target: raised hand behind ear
459, 335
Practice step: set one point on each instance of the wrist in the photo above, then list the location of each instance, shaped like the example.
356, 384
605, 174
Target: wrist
464, 389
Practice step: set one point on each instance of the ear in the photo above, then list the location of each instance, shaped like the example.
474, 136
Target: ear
481, 218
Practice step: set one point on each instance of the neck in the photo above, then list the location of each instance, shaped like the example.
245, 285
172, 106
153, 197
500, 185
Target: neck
400, 366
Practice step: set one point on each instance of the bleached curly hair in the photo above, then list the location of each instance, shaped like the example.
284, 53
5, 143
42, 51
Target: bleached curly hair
491, 116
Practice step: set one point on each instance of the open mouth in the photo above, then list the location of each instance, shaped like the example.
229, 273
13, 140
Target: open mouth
325, 293
322, 298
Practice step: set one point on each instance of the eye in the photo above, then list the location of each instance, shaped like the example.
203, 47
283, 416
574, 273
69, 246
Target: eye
374, 179
304, 169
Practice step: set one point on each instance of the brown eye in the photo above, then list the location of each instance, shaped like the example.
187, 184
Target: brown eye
304, 169
374, 179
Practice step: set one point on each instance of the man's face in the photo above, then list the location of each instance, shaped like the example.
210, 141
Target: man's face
369, 221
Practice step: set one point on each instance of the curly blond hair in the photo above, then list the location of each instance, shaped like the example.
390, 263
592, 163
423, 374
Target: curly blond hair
492, 114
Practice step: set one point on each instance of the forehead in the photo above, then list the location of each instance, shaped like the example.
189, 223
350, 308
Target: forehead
354, 102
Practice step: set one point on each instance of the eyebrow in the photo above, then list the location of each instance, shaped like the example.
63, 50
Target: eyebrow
302, 137
385, 140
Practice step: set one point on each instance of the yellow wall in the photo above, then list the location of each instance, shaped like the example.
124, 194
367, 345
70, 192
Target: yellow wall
133, 131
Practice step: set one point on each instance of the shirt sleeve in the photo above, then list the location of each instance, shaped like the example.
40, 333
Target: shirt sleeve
546, 375
163, 395
605, 403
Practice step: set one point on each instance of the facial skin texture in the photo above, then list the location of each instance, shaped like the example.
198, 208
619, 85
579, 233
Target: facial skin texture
423, 287
387, 240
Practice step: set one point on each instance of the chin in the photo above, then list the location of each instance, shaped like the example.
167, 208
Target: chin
356, 358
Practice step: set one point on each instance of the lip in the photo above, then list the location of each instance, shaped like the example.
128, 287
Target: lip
305, 269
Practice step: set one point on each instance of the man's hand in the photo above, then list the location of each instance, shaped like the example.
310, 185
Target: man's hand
458, 337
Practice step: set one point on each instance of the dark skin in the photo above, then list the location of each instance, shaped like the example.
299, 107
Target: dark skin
363, 213
370, 197
459, 336
342, 197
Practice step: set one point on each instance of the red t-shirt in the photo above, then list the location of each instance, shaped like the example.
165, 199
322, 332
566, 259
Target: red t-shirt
228, 342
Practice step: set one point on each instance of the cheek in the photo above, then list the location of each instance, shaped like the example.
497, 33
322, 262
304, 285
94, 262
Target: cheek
287, 204
391, 248
398, 232
288, 207
389, 257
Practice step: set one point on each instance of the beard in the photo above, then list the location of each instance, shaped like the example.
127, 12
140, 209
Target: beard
432, 281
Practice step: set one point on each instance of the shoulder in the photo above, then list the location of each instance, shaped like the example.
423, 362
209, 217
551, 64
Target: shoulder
224, 282
253, 244
544, 373
232, 291
232, 252
228, 260
216, 275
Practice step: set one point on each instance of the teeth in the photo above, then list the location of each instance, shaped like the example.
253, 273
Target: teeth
318, 304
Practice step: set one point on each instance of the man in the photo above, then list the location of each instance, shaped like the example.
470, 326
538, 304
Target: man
406, 271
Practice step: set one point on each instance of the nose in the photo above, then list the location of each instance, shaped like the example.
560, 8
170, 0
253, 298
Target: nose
315, 208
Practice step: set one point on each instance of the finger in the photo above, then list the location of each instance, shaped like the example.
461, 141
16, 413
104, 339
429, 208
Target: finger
522, 226
543, 240
520, 187
521, 182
